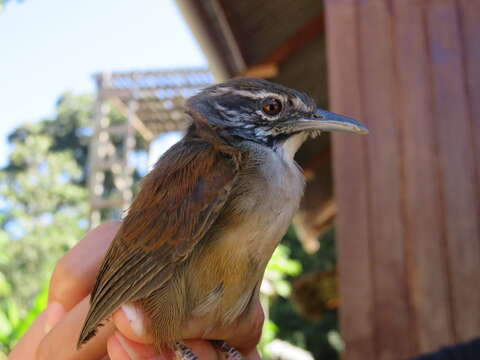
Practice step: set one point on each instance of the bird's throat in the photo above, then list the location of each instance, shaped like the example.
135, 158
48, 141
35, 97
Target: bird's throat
288, 148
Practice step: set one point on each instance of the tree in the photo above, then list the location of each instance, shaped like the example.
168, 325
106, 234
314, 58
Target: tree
43, 210
43, 206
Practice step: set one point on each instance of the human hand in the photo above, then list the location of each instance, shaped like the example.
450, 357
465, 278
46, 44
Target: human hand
55, 332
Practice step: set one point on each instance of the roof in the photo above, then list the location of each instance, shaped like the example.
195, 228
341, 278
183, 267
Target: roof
157, 97
281, 40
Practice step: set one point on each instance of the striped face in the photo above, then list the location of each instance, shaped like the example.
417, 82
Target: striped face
253, 109
265, 112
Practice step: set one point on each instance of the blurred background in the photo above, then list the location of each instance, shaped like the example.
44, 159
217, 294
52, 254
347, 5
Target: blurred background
386, 244
91, 95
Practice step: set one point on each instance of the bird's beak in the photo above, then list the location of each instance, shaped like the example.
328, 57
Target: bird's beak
323, 120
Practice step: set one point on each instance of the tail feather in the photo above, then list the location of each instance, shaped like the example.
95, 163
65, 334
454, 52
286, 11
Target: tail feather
116, 292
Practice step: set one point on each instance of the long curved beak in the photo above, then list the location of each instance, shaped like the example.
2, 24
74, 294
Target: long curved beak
327, 121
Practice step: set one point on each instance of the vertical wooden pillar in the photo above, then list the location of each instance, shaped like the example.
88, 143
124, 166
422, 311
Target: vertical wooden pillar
408, 193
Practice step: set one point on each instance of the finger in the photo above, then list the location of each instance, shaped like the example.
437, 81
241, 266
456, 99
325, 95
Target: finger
66, 334
121, 348
244, 334
131, 323
54, 313
203, 349
254, 355
75, 273
25, 348
115, 349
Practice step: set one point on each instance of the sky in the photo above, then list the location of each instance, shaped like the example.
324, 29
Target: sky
48, 47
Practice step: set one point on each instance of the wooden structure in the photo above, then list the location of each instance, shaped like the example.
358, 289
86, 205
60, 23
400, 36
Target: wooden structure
151, 102
408, 194
409, 236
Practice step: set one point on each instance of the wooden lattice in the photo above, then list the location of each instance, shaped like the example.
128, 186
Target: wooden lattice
158, 95
152, 102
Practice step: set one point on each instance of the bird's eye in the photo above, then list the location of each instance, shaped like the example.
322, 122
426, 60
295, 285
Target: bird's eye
271, 106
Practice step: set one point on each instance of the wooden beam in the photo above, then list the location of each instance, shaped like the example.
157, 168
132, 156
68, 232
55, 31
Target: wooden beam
308, 32
469, 12
384, 166
424, 228
355, 260
456, 153
408, 193
268, 67
136, 122
264, 71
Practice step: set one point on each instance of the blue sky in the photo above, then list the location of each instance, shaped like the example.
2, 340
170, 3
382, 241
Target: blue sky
48, 47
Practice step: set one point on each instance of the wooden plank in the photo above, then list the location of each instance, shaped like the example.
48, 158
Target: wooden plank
428, 280
350, 168
136, 122
296, 41
469, 15
392, 308
455, 151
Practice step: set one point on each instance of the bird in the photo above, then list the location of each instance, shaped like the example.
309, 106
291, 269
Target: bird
197, 238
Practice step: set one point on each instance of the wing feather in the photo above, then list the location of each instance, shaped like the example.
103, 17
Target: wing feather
179, 201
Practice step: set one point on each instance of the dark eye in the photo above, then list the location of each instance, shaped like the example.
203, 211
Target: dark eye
271, 106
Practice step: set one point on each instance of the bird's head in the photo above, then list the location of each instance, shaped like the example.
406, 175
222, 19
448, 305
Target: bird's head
266, 113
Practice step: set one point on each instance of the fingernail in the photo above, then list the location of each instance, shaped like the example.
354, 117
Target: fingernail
135, 318
54, 313
123, 342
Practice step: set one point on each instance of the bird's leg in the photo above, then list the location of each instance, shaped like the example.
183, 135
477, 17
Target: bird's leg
228, 352
183, 352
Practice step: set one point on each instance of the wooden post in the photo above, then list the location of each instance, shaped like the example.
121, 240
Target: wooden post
408, 193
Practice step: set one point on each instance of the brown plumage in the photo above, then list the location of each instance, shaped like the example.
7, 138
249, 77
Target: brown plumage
178, 203
197, 238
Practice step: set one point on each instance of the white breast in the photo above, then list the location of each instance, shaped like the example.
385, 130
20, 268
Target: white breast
274, 198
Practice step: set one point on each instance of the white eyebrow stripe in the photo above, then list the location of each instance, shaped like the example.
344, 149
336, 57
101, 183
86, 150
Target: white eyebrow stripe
258, 95
262, 94
300, 104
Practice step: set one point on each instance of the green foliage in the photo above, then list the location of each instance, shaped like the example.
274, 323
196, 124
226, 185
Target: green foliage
320, 337
67, 132
275, 284
43, 206
279, 267
12, 325
43, 212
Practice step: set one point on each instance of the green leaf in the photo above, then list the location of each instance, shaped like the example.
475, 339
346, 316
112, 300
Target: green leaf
24, 324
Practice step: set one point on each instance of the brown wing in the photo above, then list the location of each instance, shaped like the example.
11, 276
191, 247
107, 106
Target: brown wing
179, 201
